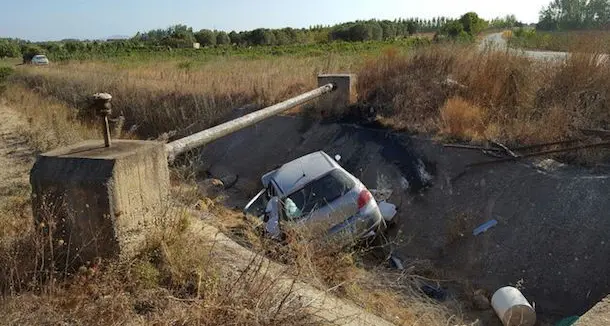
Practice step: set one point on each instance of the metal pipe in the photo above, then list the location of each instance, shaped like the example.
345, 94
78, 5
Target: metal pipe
206, 136
106, 131
561, 142
481, 148
516, 158
103, 108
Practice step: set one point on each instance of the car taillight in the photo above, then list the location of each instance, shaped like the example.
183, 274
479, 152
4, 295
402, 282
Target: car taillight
364, 198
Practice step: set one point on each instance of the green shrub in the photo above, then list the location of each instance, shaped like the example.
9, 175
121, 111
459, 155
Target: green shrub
9, 49
5, 72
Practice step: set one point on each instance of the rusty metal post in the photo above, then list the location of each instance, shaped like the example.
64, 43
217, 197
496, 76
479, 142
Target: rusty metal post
101, 103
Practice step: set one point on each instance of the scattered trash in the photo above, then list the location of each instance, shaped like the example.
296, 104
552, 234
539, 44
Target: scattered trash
396, 262
512, 308
388, 211
404, 183
484, 227
434, 292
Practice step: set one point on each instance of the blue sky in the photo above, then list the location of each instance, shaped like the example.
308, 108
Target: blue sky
57, 19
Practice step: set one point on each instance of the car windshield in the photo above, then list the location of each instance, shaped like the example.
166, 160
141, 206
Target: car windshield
317, 193
40, 57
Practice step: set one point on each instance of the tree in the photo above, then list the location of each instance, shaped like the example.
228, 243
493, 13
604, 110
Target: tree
9, 49
222, 38
360, 32
388, 28
575, 14
472, 24
236, 38
376, 30
28, 51
281, 37
74, 46
181, 32
453, 29
412, 27
206, 37
261, 36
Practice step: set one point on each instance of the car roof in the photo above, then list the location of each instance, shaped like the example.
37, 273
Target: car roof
40, 56
301, 171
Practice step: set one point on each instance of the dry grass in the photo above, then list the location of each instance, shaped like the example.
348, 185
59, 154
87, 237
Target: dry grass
456, 91
175, 96
175, 280
462, 119
338, 267
50, 123
520, 101
473, 95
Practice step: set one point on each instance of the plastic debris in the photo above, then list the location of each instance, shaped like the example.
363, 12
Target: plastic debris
484, 227
569, 321
434, 292
388, 211
396, 263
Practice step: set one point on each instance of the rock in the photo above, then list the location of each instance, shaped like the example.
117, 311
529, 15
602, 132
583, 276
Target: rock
480, 300
210, 187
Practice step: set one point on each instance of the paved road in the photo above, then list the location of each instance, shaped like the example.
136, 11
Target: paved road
496, 41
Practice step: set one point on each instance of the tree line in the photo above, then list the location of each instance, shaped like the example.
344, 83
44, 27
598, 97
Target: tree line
182, 36
575, 14
357, 31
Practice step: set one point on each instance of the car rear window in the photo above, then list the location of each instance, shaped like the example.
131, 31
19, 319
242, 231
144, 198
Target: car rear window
321, 191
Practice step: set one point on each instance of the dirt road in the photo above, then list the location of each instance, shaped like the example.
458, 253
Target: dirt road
16, 156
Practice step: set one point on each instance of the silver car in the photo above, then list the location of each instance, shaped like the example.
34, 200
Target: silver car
40, 59
316, 188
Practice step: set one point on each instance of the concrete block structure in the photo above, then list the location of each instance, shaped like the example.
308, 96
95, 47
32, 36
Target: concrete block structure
341, 98
100, 201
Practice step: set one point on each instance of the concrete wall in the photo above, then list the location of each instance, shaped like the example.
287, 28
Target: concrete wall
99, 202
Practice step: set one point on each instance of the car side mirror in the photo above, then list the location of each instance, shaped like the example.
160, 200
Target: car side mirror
337, 157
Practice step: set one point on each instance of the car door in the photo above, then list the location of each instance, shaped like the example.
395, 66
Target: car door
256, 206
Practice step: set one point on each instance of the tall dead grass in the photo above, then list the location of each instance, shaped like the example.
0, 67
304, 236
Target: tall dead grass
169, 96
474, 95
50, 123
337, 266
175, 281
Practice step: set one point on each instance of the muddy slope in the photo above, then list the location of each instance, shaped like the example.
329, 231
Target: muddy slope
553, 231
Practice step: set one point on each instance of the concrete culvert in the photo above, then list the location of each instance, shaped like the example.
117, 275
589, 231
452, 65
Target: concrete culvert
550, 217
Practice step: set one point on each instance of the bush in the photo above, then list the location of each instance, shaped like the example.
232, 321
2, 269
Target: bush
30, 50
9, 49
5, 72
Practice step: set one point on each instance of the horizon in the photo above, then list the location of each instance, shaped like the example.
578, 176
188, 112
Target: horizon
84, 20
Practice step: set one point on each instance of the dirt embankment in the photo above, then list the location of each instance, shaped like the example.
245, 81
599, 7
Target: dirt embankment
552, 235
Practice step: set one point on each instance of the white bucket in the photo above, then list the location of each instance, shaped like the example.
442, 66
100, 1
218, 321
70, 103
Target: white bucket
512, 307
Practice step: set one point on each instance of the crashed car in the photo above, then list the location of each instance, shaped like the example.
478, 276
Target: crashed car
316, 188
